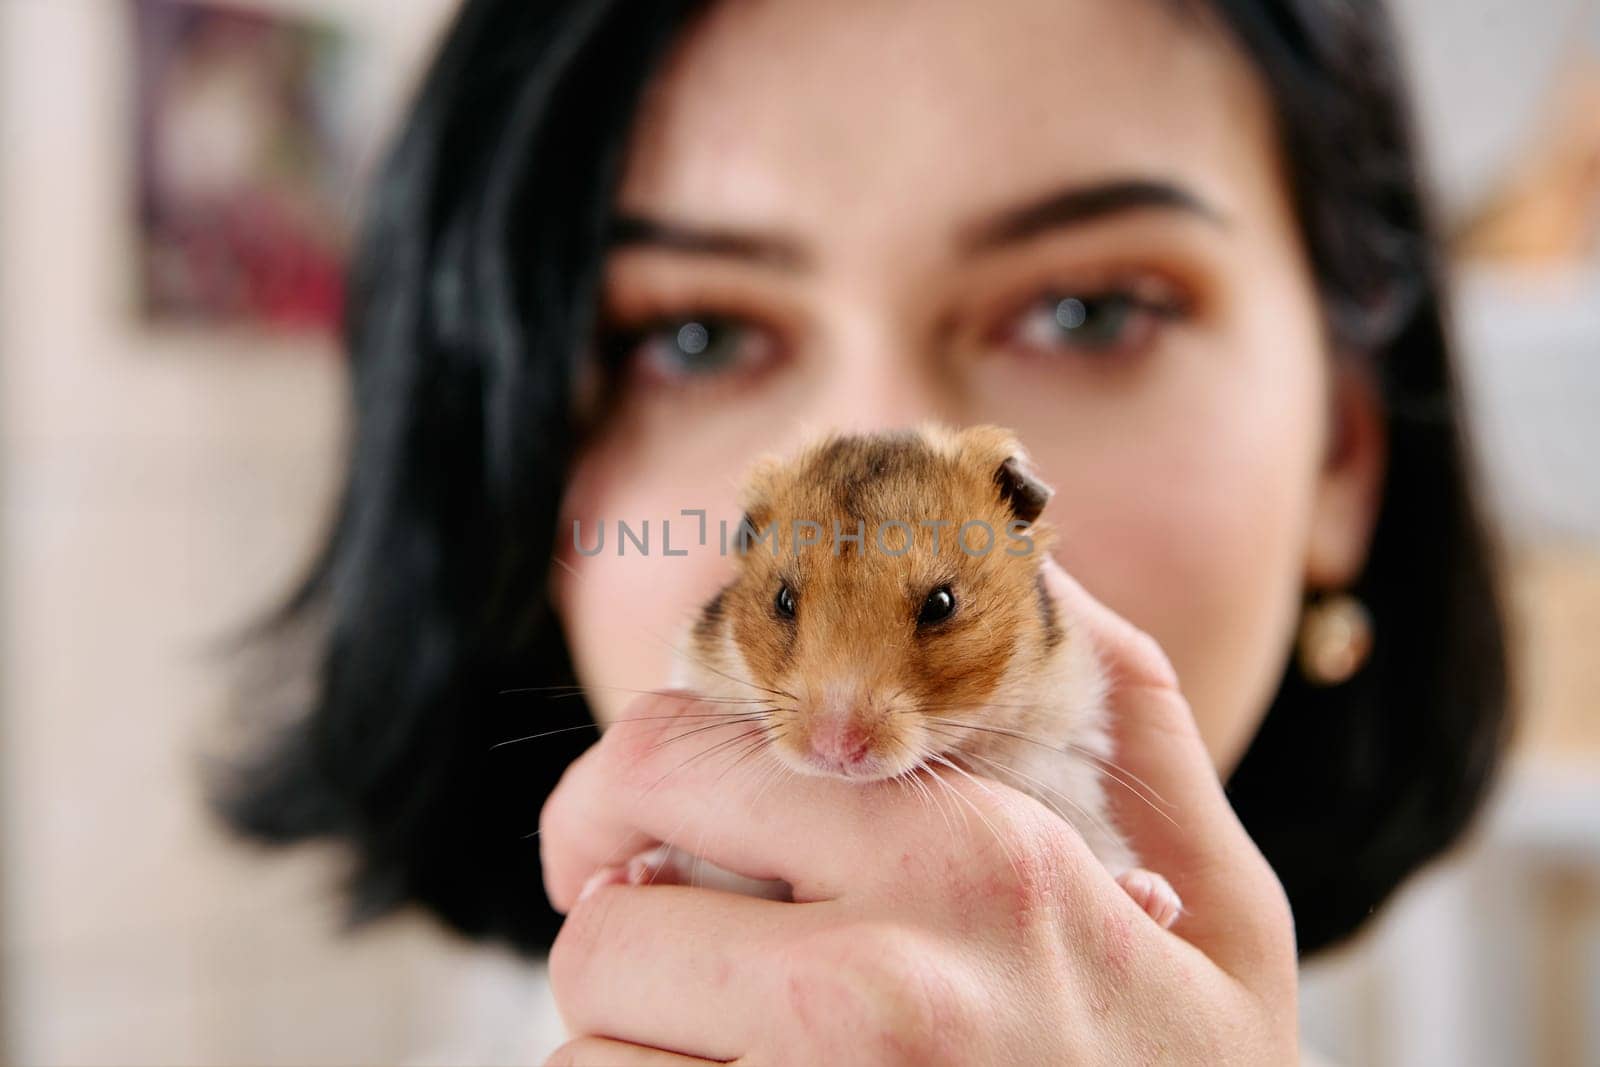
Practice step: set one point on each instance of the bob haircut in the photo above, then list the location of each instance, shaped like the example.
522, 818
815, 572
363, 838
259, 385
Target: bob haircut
474, 292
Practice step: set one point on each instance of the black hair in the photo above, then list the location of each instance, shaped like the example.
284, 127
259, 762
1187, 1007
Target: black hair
474, 292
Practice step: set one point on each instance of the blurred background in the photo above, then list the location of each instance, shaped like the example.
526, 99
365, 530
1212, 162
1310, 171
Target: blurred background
176, 185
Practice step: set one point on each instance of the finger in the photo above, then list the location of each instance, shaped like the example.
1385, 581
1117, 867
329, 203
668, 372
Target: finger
1234, 908
1133, 656
664, 774
603, 1052
671, 966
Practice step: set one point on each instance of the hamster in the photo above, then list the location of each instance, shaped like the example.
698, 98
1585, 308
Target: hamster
889, 603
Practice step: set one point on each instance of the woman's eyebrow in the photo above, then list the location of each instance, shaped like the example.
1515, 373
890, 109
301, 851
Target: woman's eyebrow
632, 230
1077, 204
1073, 205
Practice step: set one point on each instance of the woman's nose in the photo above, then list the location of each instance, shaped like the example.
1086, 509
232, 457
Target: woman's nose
878, 385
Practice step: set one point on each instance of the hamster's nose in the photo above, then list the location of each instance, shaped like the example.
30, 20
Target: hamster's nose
839, 744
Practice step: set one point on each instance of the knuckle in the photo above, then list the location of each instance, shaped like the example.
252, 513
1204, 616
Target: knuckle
1174, 716
887, 990
555, 813
1153, 666
1032, 857
560, 823
552, 870
867, 966
578, 942
1277, 916
1044, 868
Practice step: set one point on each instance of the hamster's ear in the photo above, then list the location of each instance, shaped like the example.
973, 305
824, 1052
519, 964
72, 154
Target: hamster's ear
997, 448
1021, 487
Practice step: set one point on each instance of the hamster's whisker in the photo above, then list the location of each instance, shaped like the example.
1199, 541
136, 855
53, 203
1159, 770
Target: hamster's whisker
583, 690
770, 773
691, 715
720, 673
616, 857
777, 771
702, 754
773, 769
965, 822
727, 716
1106, 766
1081, 809
986, 704
543, 733
904, 781
988, 729
999, 838
935, 800
728, 719
1075, 749
910, 779
731, 678
697, 862
940, 797
672, 647
1098, 763
761, 741
675, 738
745, 753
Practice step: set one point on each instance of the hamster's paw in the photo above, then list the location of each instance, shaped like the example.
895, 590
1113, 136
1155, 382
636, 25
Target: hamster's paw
1154, 894
665, 865
662, 865
600, 879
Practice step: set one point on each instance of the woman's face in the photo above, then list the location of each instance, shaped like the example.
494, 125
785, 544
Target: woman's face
1066, 217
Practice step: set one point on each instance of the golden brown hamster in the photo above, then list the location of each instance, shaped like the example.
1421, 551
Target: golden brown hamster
889, 603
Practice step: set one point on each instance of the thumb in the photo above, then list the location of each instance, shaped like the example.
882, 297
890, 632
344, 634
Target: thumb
1165, 794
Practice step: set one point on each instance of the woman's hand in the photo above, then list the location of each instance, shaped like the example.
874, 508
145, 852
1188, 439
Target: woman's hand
985, 933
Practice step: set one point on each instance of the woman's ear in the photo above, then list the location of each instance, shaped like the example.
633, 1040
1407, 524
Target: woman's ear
1350, 485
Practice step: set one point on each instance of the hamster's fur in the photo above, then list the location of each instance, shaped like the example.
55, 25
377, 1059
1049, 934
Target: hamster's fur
867, 674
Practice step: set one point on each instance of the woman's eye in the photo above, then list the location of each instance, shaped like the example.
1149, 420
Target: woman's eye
1112, 321
697, 346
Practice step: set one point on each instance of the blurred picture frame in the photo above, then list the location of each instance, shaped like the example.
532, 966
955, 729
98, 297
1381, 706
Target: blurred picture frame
244, 166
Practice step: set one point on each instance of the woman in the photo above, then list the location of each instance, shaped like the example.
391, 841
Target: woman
1179, 248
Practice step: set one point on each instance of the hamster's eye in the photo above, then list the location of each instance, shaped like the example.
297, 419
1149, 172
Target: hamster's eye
940, 603
785, 602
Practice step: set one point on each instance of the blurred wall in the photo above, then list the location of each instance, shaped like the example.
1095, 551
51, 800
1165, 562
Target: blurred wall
159, 486
1493, 955
1481, 71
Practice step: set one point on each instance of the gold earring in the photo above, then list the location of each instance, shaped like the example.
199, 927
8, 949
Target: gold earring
1335, 638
